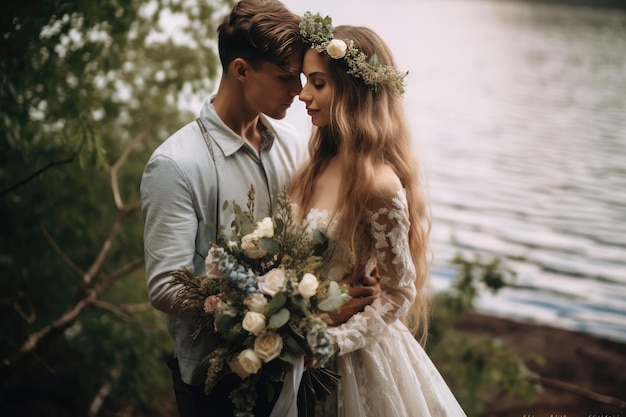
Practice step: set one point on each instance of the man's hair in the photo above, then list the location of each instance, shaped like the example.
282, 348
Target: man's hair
257, 31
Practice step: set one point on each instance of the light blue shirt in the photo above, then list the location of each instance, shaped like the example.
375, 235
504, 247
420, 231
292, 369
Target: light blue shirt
180, 207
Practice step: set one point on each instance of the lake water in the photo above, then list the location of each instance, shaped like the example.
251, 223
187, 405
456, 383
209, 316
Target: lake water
518, 111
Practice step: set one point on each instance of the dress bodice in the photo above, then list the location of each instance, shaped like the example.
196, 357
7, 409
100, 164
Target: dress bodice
338, 259
383, 241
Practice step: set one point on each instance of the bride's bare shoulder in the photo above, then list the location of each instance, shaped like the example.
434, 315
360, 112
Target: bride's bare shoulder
386, 180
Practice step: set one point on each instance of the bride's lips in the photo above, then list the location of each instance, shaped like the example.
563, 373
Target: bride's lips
311, 112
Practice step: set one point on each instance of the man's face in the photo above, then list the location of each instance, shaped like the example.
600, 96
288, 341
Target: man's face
270, 89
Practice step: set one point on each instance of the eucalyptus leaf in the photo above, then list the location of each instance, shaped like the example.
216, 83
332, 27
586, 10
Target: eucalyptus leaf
247, 226
276, 303
291, 349
269, 245
279, 225
334, 300
279, 319
302, 303
225, 324
320, 241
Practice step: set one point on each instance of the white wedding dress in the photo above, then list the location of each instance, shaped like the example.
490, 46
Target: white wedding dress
384, 371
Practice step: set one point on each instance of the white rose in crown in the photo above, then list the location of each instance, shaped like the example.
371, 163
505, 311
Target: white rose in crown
272, 282
255, 302
307, 287
268, 346
246, 363
253, 322
337, 49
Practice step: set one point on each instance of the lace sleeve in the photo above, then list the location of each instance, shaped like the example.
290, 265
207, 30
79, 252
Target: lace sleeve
388, 230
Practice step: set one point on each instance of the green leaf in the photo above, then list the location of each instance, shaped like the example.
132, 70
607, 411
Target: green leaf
279, 319
320, 241
269, 245
276, 303
99, 151
301, 302
334, 300
291, 349
224, 324
279, 225
246, 225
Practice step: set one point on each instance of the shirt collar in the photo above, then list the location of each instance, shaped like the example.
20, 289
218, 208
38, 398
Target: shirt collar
229, 141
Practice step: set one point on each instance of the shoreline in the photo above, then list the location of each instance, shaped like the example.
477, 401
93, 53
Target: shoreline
598, 4
581, 376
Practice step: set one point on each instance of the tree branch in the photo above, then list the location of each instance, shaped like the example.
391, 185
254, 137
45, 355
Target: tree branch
582, 392
103, 283
46, 167
60, 252
28, 318
104, 392
67, 318
122, 311
106, 245
113, 170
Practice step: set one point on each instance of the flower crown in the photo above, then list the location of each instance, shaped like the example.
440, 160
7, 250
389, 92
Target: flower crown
318, 32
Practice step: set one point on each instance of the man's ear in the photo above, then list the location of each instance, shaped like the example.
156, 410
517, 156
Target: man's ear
239, 69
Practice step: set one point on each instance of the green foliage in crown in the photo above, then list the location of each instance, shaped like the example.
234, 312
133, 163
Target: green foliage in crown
317, 31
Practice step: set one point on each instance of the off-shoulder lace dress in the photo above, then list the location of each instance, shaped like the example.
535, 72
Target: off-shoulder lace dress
384, 370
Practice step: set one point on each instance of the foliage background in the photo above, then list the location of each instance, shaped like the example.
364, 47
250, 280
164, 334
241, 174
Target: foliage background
80, 83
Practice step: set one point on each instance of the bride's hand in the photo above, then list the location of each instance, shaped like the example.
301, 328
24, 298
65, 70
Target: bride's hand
363, 290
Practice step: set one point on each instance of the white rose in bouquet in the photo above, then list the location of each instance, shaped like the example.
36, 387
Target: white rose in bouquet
249, 244
253, 322
246, 363
255, 302
272, 282
264, 228
307, 286
268, 346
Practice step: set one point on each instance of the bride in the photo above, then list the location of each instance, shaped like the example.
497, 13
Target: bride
361, 182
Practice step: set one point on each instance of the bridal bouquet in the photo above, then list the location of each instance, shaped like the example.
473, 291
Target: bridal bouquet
265, 304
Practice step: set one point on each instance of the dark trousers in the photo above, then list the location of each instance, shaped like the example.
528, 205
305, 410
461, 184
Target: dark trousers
193, 402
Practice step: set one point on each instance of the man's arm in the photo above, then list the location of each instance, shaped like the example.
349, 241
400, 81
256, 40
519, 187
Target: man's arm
170, 226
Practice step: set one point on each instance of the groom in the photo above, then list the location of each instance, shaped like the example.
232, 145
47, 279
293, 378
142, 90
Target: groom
233, 145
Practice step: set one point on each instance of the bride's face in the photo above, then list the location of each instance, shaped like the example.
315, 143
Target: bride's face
317, 92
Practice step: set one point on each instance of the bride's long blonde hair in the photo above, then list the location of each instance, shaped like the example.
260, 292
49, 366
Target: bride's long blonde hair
368, 130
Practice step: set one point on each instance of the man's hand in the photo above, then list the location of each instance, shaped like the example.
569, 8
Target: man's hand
363, 290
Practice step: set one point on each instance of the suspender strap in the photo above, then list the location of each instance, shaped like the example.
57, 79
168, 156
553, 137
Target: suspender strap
209, 143
207, 140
